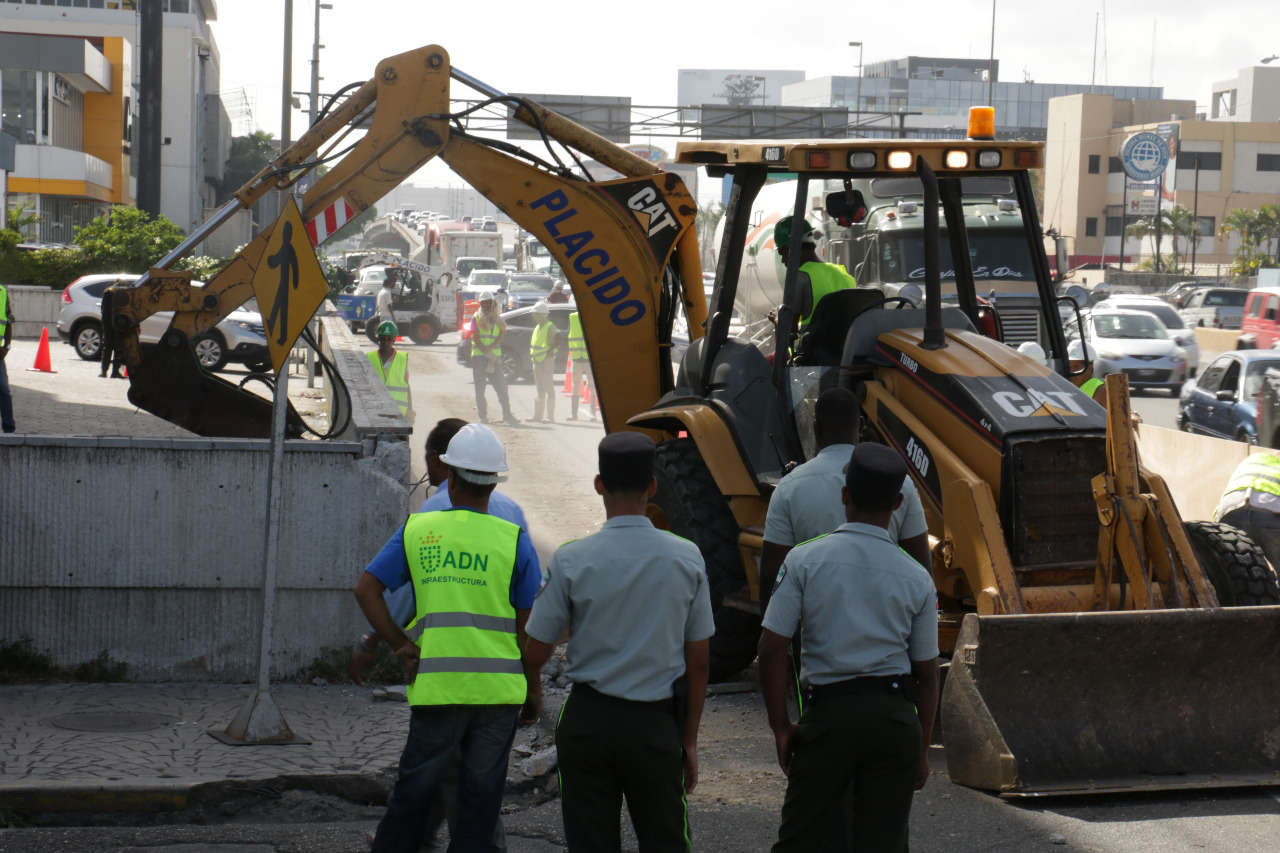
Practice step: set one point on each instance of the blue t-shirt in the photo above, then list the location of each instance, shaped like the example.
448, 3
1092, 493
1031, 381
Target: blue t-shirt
391, 567
499, 504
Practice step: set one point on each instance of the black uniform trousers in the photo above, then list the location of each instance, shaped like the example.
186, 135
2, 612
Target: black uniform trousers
609, 748
872, 740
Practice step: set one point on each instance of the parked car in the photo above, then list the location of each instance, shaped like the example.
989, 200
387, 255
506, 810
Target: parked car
1182, 334
1223, 402
1177, 294
239, 337
515, 344
1215, 307
1138, 345
1260, 328
526, 288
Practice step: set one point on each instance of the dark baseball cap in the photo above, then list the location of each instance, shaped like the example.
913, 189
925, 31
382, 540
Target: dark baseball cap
626, 460
875, 472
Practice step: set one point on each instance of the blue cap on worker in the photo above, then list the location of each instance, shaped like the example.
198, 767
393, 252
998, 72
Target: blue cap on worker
626, 460
875, 472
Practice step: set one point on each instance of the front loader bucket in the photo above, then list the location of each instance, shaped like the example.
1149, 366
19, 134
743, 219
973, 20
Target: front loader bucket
1072, 703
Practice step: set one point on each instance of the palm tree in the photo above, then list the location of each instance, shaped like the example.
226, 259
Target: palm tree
1180, 223
1253, 229
1138, 229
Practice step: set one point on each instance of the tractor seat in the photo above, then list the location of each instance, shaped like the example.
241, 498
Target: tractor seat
822, 341
870, 325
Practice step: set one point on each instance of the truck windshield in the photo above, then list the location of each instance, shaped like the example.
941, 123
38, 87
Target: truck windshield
995, 255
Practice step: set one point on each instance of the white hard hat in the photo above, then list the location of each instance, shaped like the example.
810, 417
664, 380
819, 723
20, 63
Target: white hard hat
541, 308
477, 454
1075, 351
1031, 349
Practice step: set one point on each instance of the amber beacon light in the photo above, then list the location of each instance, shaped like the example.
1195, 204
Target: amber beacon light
982, 122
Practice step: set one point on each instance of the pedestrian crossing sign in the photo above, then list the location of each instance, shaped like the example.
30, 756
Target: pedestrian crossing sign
289, 284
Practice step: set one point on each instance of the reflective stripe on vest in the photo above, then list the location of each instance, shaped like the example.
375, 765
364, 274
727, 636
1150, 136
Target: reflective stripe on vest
538, 345
824, 279
1092, 385
577, 343
462, 564
396, 378
487, 336
4, 310
1260, 472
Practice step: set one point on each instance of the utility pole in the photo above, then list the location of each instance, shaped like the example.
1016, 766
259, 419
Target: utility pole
857, 103
991, 62
149, 136
315, 63
286, 89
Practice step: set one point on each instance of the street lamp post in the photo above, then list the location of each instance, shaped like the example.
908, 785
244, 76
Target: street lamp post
315, 63
857, 103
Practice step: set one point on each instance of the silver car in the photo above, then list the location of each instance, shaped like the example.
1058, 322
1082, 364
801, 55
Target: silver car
1138, 345
1182, 334
239, 337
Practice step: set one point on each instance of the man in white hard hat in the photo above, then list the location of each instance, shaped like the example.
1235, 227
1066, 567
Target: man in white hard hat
544, 348
1081, 357
475, 577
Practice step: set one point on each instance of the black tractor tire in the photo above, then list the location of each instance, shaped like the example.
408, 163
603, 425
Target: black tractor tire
424, 329
689, 504
1235, 564
87, 340
211, 351
371, 328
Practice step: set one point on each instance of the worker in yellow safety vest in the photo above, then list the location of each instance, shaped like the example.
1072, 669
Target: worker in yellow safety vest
1251, 503
580, 368
817, 278
474, 577
393, 368
543, 346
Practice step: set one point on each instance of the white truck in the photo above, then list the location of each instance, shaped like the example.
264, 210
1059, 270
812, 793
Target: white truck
471, 246
422, 314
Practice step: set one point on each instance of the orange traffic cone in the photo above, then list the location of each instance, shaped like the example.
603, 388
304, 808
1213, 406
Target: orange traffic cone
586, 392
568, 377
43, 363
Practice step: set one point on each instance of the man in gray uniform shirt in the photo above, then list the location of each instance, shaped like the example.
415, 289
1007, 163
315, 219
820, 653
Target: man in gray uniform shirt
806, 502
638, 610
871, 659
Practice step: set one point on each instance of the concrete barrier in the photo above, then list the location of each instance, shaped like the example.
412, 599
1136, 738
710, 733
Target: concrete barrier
1214, 342
152, 549
35, 308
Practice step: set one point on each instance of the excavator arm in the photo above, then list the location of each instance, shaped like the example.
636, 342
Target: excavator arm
627, 246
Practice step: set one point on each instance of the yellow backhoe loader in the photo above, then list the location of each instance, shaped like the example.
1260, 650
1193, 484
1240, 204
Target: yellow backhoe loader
1090, 651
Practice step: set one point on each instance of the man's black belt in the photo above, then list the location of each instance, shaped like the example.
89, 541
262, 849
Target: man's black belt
904, 684
580, 689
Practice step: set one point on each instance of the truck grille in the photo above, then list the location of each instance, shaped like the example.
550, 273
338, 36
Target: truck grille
1050, 517
1020, 325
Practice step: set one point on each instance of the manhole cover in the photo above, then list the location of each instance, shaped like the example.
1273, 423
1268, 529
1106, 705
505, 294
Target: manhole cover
109, 721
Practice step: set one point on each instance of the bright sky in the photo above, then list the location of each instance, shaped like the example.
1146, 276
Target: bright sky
576, 47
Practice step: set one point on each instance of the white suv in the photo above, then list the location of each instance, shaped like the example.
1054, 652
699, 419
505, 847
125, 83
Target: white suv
239, 337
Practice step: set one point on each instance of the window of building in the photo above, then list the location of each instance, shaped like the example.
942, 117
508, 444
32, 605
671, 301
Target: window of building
1091, 227
1269, 162
1114, 165
1208, 226
1210, 161
1114, 226
1095, 164
19, 105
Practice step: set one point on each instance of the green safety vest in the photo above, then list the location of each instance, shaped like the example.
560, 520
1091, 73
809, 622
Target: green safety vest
4, 312
395, 377
1260, 472
539, 345
824, 279
577, 343
487, 336
462, 564
1091, 386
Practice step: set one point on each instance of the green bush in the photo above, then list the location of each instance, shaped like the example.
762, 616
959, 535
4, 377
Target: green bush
20, 663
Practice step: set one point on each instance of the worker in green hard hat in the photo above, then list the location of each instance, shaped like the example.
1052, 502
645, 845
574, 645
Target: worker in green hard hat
816, 278
393, 367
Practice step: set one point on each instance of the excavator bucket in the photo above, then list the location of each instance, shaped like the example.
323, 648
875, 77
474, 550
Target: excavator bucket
1073, 703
